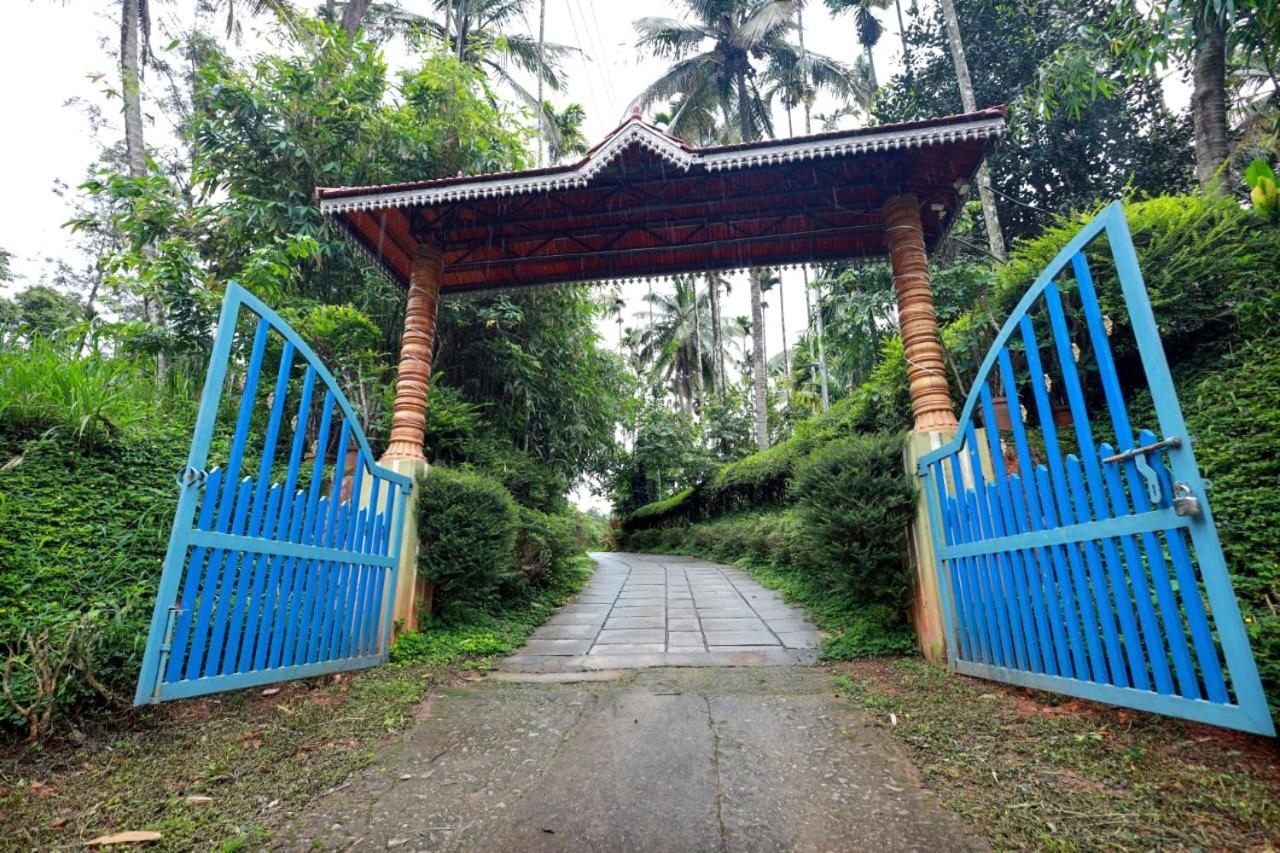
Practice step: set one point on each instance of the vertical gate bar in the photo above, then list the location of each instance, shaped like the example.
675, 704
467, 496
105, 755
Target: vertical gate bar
333, 535
1008, 595
1022, 523
257, 526
1138, 577
225, 590
371, 573
1048, 656
1048, 579
1053, 487
1189, 589
997, 598
1073, 509
229, 486
971, 565
1098, 581
348, 575
392, 546
287, 595
1167, 600
299, 610
1203, 532
975, 648
1011, 563
355, 586
1123, 596
982, 578
293, 521
249, 565
312, 568
195, 572
176, 554
944, 534
1062, 577
245, 628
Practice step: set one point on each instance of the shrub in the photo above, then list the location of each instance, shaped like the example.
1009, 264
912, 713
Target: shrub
467, 526
82, 538
545, 544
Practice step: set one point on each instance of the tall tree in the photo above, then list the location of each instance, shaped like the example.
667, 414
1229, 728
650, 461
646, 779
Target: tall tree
670, 340
714, 51
990, 213
867, 25
484, 36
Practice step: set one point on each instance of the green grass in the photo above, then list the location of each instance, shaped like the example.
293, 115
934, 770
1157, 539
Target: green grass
258, 755
1043, 771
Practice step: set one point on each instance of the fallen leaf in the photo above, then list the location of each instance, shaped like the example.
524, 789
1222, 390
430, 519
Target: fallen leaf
133, 836
271, 691
39, 788
197, 798
60, 822
893, 718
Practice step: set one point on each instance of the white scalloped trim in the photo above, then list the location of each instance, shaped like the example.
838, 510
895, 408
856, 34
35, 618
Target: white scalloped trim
638, 133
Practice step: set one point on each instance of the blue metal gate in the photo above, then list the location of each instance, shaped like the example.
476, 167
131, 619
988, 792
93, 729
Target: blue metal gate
287, 572
1056, 533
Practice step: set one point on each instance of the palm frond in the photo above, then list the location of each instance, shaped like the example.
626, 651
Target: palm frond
682, 78
766, 22
670, 37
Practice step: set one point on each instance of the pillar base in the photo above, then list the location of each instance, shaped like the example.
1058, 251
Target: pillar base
411, 590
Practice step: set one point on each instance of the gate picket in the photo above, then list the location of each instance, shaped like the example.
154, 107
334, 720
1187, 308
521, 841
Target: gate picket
266, 578
1074, 564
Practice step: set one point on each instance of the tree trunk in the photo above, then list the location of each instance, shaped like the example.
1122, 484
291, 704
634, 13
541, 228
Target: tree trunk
717, 342
542, 113
353, 15
990, 214
697, 344
448, 24
786, 353
757, 363
1209, 102
808, 129
131, 85
822, 350
902, 31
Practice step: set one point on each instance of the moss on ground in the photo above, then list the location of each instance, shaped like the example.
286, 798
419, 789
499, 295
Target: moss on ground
1043, 771
221, 772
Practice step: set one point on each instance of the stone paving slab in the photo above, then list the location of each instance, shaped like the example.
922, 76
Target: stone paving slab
645, 610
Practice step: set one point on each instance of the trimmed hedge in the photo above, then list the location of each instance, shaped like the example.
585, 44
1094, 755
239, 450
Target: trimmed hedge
467, 527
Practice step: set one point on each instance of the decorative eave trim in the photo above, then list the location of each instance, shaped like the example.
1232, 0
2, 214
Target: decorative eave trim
638, 133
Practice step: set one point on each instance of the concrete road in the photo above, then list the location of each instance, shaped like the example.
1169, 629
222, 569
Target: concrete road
666, 759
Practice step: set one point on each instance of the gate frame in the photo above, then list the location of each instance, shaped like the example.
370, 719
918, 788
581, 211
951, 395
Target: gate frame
1250, 713
184, 535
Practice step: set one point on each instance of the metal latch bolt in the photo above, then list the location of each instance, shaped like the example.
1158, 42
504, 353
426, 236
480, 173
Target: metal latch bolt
1148, 474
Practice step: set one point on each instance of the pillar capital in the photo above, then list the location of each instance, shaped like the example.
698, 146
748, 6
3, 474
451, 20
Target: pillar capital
409, 412
917, 319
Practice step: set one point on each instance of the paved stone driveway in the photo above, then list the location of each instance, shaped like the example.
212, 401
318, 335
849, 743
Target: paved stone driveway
642, 610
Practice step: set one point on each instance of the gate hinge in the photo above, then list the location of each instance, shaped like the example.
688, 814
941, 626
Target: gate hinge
166, 645
189, 476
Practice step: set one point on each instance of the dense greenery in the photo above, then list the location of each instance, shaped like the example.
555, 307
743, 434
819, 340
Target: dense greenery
832, 541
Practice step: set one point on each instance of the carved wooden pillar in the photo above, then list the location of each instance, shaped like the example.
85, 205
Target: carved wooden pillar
926, 370
409, 413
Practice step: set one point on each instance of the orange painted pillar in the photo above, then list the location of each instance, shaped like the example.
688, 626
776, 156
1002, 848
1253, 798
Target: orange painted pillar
935, 419
404, 455
917, 319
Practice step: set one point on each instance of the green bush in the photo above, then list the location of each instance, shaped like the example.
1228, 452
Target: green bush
83, 533
467, 526
856, 502
545, 544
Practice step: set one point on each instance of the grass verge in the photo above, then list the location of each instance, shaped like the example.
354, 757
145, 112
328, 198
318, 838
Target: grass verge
1045, 771
220, 772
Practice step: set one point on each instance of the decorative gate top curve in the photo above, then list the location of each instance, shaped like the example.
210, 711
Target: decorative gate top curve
276, 568
1056, 532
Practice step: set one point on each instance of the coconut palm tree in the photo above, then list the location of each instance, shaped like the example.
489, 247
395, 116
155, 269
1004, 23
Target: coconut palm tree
714, 51
672, 343
867, 25
482, 34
